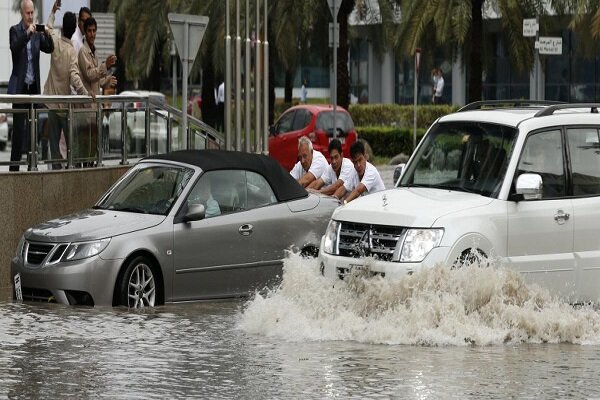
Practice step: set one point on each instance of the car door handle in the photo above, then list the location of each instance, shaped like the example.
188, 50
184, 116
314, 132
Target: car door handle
245, 229
561, 217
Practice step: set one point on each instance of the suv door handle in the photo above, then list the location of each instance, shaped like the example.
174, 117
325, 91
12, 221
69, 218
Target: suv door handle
561, 217
245, 229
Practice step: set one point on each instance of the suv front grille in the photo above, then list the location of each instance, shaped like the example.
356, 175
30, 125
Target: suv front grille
365, 240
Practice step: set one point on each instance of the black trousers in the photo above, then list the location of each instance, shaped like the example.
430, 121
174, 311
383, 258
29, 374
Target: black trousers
21, 131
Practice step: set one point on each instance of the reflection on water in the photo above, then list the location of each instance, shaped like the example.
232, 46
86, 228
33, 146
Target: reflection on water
484, 337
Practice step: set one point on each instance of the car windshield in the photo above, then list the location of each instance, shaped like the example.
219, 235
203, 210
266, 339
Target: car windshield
325, 121
464, 156
147, 189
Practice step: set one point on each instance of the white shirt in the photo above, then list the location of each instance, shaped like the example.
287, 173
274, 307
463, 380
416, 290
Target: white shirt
371, 179
77, 40
318, 166
439, 86
329, 176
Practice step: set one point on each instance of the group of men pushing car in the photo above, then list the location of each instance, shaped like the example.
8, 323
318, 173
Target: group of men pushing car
343, 178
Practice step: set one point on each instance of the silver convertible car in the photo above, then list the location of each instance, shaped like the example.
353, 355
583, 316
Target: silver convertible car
189, 225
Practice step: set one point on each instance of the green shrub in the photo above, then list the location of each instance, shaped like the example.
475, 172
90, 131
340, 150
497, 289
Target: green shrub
397, 115
389, 141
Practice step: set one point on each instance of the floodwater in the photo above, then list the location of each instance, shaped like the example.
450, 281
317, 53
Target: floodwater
468, 333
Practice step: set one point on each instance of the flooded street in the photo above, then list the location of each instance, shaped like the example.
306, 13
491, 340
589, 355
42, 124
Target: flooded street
439, 334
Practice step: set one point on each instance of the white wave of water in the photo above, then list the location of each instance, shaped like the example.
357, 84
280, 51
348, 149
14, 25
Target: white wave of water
437, 306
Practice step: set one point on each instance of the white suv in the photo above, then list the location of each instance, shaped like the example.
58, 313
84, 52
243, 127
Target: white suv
516, 181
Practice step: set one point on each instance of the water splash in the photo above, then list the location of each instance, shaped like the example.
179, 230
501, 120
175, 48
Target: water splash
436, 306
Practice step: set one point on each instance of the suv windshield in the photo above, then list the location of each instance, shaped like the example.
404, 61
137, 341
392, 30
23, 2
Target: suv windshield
148, 189
464, 156
325, 122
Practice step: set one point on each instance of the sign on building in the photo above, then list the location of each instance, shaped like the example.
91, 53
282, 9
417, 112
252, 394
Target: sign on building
549, 45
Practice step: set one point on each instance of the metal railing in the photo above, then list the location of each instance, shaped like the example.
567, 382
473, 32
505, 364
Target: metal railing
116, 128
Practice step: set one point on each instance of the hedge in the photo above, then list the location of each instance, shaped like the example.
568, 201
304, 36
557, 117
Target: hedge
397, 115
389, 141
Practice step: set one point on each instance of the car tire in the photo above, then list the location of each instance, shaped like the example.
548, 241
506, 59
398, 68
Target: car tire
138, 284
471, 257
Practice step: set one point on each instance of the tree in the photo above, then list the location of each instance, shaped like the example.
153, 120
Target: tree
460, 24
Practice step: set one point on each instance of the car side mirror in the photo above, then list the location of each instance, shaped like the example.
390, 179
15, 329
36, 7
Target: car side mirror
272, 130
195, 212
529, 186
398, 171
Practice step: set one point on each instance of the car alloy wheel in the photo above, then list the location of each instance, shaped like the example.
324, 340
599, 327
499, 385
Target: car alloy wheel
138, 286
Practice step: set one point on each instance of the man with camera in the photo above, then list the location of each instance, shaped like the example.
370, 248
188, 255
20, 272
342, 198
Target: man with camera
26, 41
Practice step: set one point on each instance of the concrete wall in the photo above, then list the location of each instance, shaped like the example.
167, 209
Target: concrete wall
28, 198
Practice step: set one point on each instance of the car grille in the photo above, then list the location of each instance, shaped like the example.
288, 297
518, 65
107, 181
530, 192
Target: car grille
364, 240
37, 252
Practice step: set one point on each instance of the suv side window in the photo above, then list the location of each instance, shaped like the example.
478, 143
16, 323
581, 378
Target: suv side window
285, 122
584, 152
543, 155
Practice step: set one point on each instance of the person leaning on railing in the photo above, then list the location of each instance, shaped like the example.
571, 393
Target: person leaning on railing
63, 74
25, 45
94, 76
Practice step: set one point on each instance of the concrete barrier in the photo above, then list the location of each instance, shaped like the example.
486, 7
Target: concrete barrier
28, 198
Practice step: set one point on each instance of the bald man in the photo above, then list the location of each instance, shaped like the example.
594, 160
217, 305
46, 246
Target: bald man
25, 46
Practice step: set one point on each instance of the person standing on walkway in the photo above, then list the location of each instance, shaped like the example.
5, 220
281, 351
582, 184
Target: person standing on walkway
94, 76
304, 92
220, 100
438, 87
25, 46
78, 37
64, 73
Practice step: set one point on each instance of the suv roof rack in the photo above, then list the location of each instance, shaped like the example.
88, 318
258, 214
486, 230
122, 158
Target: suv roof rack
478, 105
551, 109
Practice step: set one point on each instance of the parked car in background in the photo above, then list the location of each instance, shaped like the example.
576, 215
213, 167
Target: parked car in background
518, 181
136, 129
188, 225
3, 127
6, 119
315, 122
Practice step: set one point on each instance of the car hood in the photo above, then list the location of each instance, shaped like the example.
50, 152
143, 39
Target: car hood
90, 225
416, 207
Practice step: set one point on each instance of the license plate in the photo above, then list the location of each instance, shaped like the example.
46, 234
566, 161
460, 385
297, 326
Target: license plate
18, 292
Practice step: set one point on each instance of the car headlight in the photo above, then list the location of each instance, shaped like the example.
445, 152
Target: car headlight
330, 245
417, 244
81, 250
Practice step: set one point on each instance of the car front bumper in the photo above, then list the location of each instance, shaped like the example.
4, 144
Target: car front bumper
69, 283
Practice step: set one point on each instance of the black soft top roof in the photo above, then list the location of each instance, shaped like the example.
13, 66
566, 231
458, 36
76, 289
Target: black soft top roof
284, 185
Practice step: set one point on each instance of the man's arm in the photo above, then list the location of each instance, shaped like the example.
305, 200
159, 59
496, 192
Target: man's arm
90, 72
317, 184
18, 40
358, 190
331, 189
306, 179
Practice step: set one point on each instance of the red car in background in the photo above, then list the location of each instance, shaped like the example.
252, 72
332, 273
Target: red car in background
315, 122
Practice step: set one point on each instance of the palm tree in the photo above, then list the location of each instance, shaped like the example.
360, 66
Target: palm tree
460, 24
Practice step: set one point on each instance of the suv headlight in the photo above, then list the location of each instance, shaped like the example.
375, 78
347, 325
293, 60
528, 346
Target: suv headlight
417, 244
81, 250
330, 245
